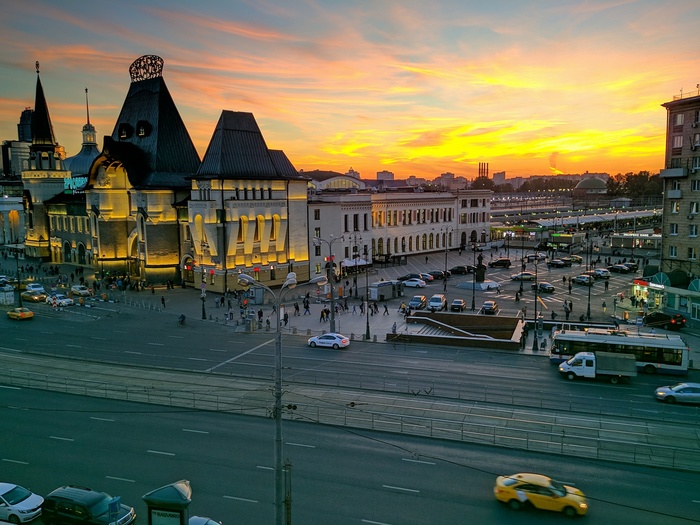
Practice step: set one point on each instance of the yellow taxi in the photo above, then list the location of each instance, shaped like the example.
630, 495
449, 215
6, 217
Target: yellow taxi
33, 296
539, 491
20, 313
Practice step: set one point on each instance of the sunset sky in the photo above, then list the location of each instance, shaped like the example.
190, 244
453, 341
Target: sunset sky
413, 87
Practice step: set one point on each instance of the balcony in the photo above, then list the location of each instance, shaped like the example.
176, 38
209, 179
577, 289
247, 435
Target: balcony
672, 173
674, 194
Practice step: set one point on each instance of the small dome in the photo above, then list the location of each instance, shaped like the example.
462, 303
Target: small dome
592, 183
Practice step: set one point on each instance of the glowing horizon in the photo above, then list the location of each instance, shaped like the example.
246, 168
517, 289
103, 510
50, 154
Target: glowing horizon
531, 88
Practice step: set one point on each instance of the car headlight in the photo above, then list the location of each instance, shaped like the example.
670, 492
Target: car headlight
583, 505
661, 393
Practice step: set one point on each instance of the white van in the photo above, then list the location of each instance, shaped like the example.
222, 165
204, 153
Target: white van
437, 302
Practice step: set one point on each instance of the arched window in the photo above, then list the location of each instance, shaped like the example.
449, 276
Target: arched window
199, 229
275, 227
380, 246
242, 229
259, 228
425, 241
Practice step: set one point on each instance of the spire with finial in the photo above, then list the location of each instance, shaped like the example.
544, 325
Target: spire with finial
42, 130
87, 106
36, 64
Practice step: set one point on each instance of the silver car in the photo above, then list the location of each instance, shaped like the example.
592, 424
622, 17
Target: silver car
679, 393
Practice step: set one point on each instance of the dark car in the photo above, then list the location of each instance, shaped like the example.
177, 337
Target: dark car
439, 274
417, 302
410, 276
543, 287
500, 263
489, 307
458, 305
460, 270
619, 268
72, 505
632, 265
665, 321
559, 263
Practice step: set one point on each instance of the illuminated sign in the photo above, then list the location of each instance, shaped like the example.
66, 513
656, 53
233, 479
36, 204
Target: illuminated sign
74, 184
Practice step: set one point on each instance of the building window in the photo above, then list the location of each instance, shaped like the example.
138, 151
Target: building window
694, 207
317, 215
673, 251
693, 230
692, 253
318, 268
695, 185
317, 251
317, 232
678, 119
678, 141
675, 207
696, 139
674, 228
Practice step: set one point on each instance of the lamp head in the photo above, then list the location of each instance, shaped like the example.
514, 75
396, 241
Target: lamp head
245, 279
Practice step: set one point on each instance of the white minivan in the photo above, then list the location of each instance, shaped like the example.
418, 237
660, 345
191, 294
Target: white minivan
438, 302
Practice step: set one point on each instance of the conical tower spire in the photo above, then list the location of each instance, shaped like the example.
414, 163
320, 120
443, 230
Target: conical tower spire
42, 129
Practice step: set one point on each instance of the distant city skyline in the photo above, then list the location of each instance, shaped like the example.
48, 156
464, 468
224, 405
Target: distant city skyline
415, 88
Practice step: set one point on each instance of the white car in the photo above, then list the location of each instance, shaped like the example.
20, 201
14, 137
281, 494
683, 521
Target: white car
81, 290
602, 273
17, 504
414, 283
330, 340
61, 300
35, 287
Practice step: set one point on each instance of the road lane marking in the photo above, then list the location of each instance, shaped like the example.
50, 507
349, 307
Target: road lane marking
197, 359
61, 438
160, 452
10, 387
121, 479
300, 445
216, 350
99, 338
195, 431
404, 489
73, 346
375, 522
239, 355
132, 352
176, 337
156, 344
101, 419
245, 500
418, 461
15, 461
264, 468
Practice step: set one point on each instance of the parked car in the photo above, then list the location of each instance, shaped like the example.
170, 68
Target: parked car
523, 276
489, 307
61, 300
409, 276
35, 287
592, 273
439, 274
438, 302
576, 258
584, 279
34, 297
330, 340
72, 505
535, 257
619, 268
17, 504
417, 302
665, 321
460, 270
20, 314
458, 305
81, 290
632, 265
558, 263
543, 287
679, 393
602, 273
568, 261
501, 262
541, 492
427, 277
414, 283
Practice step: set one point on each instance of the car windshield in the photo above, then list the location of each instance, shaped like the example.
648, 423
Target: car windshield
558, 488
16, 495
101, 507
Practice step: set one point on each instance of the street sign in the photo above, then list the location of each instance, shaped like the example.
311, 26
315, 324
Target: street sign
640, 321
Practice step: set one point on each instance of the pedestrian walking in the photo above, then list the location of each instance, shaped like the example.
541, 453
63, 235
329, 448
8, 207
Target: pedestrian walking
354, 309
306, 309
162, 301
607, 285
386, 310
569, 287
571, 305
605, 307
563, 280
426, 259
286, 318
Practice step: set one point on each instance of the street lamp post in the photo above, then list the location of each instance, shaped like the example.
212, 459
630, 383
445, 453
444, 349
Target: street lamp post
474, 278
588, 311
367, 335
19, 277
281, 503
534, 331
317, 242
446, 234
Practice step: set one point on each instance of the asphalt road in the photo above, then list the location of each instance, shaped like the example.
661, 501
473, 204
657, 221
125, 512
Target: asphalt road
339, 476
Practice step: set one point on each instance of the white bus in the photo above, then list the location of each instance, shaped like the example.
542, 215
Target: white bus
662, 353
